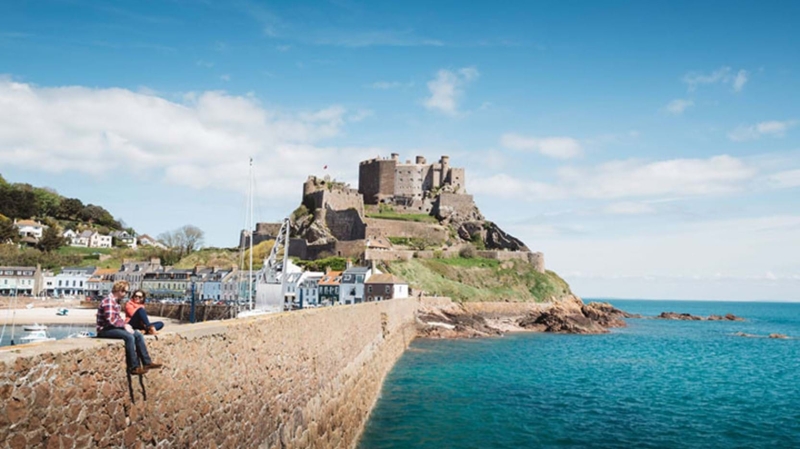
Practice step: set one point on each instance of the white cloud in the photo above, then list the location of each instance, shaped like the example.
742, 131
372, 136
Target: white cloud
722, 75
206, 64
628, 179
447, 89
506, 186
772, 128
203, 141
556, 147
740, 80
727, 259
785, 179
677, 106
629, 208
225, 77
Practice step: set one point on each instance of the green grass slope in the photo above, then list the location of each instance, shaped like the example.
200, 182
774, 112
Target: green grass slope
481, 279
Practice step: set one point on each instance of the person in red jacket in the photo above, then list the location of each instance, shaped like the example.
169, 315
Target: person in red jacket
110, 324
136, 315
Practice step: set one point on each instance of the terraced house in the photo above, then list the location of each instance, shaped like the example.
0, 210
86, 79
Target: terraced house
168, 283
20, 281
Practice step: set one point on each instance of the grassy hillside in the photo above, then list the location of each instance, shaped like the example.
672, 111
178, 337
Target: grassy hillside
480, 279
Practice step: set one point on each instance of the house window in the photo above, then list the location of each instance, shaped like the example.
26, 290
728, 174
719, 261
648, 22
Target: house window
388, 289
369, 289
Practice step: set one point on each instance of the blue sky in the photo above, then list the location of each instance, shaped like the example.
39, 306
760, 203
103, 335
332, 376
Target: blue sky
649, 150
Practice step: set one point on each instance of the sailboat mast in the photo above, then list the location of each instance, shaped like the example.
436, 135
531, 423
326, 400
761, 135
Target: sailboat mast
250, 227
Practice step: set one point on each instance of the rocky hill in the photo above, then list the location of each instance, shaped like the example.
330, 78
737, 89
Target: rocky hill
478, 279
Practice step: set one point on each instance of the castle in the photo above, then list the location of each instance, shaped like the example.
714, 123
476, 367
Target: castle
407, 184
339, 220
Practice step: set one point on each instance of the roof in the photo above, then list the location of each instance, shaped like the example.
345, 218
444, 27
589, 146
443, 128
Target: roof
385, 278
104, 271
379, 242
331, 278
357, 270
87, 233
28, 223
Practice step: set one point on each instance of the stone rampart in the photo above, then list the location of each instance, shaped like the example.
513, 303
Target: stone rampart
398, 228
448, 204
292, 380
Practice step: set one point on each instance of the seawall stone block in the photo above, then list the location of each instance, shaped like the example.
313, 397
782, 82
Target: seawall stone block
300, 379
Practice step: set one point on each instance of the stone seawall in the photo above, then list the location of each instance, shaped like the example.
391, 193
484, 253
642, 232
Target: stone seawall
301, 379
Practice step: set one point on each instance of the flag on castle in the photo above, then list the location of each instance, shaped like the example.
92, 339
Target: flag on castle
325, 167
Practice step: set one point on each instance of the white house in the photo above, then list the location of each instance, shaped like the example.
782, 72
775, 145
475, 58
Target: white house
125, 237
146, 240
351, 287
18, 281
72, 281
77, 239
308, 289
381, 287
30, 228
97, 240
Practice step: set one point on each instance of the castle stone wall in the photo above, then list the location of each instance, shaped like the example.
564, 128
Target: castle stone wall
293, 380
448, 203
376, 179
398, 228
345, 224
335, 199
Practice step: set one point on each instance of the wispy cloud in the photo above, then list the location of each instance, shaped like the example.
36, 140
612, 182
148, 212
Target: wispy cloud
724, 75
628, 179
225, 77
447, 89
555, 147
677, 106
206, 64
629, 208
772, 128
785, 179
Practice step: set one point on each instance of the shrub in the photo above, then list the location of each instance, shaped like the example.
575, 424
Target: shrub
468, 252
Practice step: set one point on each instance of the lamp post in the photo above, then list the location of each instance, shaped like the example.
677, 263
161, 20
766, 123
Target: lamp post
191, 313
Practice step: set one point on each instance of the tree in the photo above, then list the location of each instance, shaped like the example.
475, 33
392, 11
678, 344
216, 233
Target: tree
184, 240
70, 208
51, 239
47, 201
8, 232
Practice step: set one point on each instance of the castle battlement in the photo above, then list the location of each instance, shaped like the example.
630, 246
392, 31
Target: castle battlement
388, 180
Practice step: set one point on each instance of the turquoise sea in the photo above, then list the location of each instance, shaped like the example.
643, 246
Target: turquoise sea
654, 384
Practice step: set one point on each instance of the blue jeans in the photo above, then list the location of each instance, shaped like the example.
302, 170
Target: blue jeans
134, 343
140, 321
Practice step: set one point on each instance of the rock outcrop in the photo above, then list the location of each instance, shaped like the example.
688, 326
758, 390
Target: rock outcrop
567, 316
690, 317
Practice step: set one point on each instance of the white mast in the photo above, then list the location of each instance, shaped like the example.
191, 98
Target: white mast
250, 227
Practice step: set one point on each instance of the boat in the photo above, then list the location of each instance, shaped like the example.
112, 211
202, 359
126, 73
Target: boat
82, 334
36, 336
34, 327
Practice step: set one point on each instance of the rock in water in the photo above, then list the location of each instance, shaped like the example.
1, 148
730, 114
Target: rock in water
606, 314
679, 316
780, 336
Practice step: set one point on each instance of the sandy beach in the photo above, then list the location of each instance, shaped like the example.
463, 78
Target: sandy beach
47, 315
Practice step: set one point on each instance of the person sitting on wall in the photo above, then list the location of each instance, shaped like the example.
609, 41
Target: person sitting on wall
110, 324
136, 315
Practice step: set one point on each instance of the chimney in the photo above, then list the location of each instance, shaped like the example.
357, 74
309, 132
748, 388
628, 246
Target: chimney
328, 269
349, 264
372, 266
